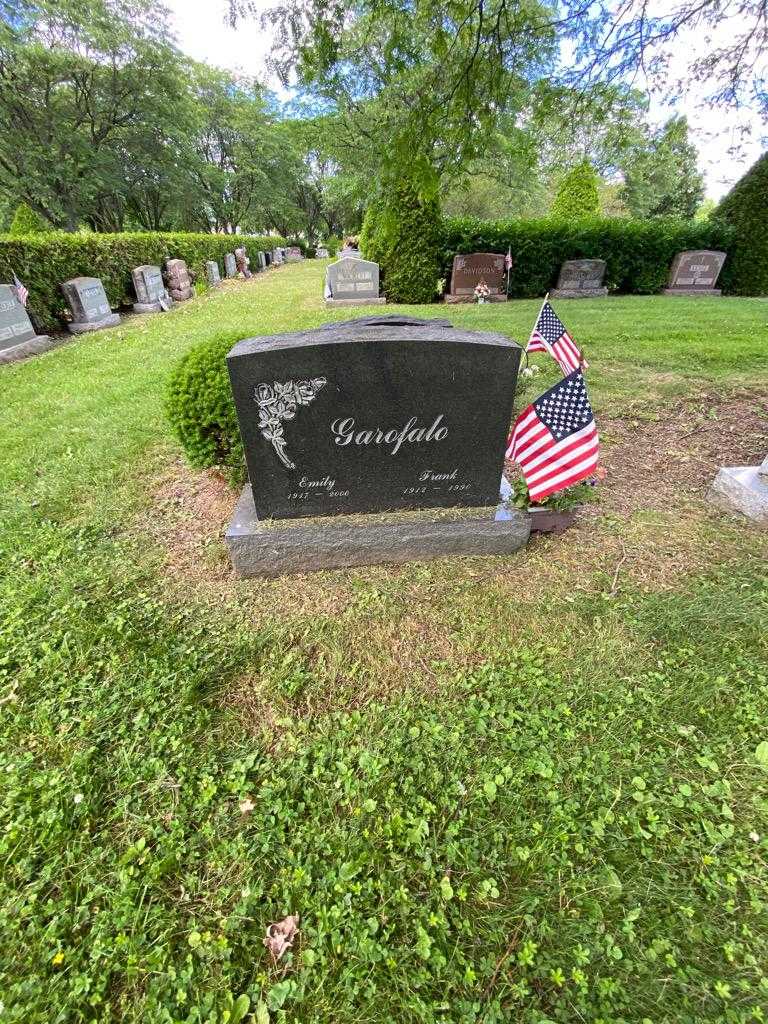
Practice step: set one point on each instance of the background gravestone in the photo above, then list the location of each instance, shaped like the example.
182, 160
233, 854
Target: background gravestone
581, 279
230, 266
17, 335
695, 272
370, 418
212, 273
178, 280
351, 252
89, 305
268, 258
293, 254
470, 269
243, 263
262, 260
151, 294
321, 253
352, 282
277, 259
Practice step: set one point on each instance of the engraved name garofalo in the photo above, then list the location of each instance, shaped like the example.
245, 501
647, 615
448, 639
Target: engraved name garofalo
345, 433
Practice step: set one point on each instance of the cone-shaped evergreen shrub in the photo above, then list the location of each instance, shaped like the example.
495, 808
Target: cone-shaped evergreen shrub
27, 222
746, 209
402, 232
577, 195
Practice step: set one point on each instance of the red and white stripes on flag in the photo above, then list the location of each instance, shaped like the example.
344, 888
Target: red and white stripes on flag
21, 292
549, 335
554, 441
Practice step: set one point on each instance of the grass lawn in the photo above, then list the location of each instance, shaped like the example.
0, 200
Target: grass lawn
529, 788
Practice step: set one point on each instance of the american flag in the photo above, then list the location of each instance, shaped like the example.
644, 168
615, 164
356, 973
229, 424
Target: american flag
508, 259
554, 441
549, 335
21, 292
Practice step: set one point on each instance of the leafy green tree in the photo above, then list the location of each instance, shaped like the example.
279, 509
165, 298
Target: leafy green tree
83, 83
661, 175
27, 222
746, 209
578, 194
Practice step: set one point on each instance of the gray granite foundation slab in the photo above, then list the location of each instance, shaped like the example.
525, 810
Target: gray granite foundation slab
356, 302
693, 292
579, 293
454, 299
259, 549
30, 347
742, 489
95, 325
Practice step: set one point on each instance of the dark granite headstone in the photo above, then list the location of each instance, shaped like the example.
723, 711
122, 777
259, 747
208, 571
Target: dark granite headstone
151, 294
17, 335
695, 273
581, 279
230, 265
268, 258
373, 418
470, 269
352, 282
179, 281
212, 273
89, 305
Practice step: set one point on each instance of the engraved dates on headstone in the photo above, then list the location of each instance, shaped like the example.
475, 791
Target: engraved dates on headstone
151, 294
371, 418
581, 279
15, 325
89, 305
473, 268
695, 273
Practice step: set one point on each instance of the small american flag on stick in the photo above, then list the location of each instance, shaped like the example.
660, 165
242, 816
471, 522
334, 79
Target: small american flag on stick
549, 335
554, 441
21, 292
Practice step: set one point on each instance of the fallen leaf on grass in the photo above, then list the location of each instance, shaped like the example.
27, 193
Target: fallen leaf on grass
280, 936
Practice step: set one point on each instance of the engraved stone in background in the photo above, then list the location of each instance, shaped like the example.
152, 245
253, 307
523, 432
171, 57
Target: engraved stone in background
321, 253
360, 418
151, 294
581, 279
212, 273
179, 281
17, 335
230, 266
293, 254
470, 269
695, 272
261, 257
89, 305
352, 282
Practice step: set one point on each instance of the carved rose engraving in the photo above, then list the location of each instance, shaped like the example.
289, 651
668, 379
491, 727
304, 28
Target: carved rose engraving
278, 402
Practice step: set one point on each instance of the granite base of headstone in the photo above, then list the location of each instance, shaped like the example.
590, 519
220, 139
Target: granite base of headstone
18, 338
151, 293
178, 280
352, 281
581, 279
365, 442
742, 489
89, 305
230, 265
695, 273
471, 269
212, 274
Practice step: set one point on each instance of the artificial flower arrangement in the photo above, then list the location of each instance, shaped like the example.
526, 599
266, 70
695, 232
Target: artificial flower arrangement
557, 512
482, 291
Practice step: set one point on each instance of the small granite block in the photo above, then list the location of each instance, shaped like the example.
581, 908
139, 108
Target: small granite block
31, 347
579, 293
258, 549
380, 301
451, 299
742, 489
716, 292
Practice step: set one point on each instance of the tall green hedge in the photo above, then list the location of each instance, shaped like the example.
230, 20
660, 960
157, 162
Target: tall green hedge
44, 261
638, 253
745, 208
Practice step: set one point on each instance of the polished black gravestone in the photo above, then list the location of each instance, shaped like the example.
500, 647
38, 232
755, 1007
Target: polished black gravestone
371, 417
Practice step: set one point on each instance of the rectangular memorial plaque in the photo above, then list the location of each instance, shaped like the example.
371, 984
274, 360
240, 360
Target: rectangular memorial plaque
373, 418
15, 325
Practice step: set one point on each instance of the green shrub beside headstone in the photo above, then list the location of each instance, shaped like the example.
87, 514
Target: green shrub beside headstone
745, 208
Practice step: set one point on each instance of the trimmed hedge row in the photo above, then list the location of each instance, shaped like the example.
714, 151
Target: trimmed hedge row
44, 261
638, 253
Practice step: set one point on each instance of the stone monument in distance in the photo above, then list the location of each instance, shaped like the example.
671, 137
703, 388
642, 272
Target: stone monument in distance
355, 433
470, 270
179, 281
151, 293
18, 338
212, 274
89, 305
695, 272
352, 281
581, 279
230, 265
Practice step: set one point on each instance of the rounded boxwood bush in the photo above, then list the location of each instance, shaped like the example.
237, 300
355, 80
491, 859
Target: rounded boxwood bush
201, 410
745, 208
